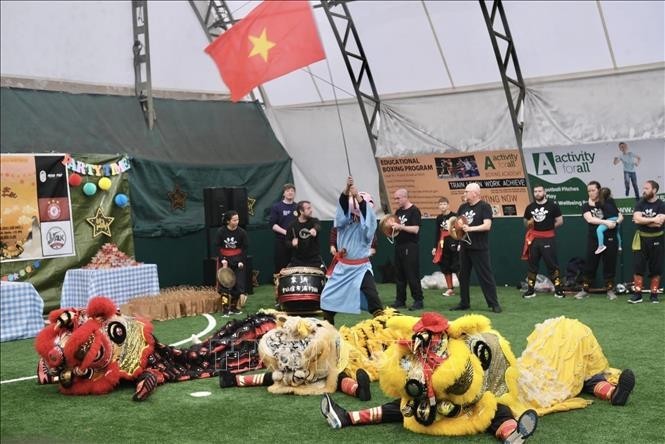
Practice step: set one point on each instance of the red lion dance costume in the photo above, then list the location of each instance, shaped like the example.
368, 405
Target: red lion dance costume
89, 351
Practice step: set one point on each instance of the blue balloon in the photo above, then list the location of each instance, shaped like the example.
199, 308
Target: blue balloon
121, 200
89, 189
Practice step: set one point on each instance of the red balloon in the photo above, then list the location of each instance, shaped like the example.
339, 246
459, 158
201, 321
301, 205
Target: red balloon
75, 180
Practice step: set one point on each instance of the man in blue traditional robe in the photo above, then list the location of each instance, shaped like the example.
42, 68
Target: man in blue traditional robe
351, 286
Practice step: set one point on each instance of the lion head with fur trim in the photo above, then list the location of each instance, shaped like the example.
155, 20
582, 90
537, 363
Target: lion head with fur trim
449, 375
304, 354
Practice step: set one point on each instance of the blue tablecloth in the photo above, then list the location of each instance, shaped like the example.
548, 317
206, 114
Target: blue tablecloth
118, 284
21, 310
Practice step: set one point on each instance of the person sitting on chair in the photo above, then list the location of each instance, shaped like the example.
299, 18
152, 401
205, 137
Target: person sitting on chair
232, 245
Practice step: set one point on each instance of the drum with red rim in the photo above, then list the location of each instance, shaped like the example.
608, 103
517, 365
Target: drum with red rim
299, 289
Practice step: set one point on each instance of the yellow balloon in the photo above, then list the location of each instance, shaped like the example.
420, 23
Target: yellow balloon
104, 183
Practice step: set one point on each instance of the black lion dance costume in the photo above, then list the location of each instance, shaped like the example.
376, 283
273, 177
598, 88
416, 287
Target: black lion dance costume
462, 378
90, 351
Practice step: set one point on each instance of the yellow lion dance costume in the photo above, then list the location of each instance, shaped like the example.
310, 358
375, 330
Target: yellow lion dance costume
462, 378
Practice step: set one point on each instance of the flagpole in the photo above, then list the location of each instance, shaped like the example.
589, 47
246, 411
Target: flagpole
339, 118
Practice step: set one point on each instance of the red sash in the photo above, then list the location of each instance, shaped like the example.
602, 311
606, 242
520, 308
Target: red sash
341, 257
230, 251
438, 254
530, 235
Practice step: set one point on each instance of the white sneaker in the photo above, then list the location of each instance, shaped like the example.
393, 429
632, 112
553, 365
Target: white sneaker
600, 249
581, 295
611, 295
449, 292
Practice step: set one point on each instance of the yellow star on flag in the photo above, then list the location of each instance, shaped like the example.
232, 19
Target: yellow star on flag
261, 45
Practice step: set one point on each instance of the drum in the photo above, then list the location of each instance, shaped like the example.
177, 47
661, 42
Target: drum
299, 289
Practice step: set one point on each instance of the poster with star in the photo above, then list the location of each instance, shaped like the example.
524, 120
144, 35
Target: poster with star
35, 221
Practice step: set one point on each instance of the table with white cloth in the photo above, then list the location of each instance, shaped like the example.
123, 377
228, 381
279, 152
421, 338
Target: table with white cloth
21, 310
118, 284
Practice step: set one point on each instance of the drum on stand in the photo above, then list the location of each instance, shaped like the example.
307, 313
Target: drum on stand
299, 289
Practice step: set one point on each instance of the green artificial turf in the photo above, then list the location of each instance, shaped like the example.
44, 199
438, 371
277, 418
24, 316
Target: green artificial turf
631, 336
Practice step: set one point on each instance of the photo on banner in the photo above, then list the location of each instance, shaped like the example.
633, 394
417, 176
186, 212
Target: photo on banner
566, 171
430, 177
35, 220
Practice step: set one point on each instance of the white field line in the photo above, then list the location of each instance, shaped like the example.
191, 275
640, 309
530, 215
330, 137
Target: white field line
211, 325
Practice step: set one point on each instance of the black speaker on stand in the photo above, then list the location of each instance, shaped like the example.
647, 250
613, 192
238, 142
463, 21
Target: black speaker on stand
217, 201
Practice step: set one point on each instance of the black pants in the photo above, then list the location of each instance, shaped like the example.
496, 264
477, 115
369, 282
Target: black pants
390, 412
544, 248
450, 261
407, 270
651, 254
608, 257
481, 260
282, 254
368, 287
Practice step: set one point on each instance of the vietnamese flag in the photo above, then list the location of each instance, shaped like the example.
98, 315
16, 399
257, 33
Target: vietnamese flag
275, 38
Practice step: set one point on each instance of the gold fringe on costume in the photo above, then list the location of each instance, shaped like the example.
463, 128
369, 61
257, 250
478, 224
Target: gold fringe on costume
560, 355
368, 341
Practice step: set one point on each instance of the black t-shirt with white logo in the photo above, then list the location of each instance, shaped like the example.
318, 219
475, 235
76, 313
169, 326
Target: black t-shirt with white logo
543, 215
476, 215
601, 212
409, 217
308, 245
230, 240
650, 210
442, 224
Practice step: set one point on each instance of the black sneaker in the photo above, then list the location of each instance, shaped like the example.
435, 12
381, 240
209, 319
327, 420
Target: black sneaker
636, 298
526, 425
529, 293
496, 309
227, 379
398, 304
363, 392
559, 294
654, 298
623, 388
418, 305
336, 416
459, 308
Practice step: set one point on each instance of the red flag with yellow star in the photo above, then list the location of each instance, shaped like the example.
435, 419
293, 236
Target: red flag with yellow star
275, 38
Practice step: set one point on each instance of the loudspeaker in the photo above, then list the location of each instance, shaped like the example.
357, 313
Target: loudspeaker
214, 206
216, 201
236, 199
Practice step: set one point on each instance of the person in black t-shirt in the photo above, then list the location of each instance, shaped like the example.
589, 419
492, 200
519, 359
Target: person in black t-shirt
232, 247
303, 237
407, 263
649, 241
282, 214
476, 252
445, 247
594, 212
541, 217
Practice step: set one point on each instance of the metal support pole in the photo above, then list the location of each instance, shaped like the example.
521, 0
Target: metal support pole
514, 107
141, 51
347, 38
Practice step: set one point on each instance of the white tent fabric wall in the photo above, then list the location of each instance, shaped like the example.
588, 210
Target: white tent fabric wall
312, 137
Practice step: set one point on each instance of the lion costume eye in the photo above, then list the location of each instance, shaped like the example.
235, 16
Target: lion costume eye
117, 332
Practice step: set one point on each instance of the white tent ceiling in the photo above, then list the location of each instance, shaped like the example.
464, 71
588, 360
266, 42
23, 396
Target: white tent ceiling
406, 43
432, 63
